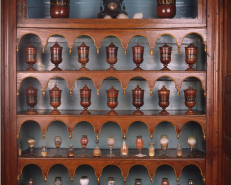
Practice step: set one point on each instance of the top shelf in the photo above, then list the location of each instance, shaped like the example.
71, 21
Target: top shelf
112, 23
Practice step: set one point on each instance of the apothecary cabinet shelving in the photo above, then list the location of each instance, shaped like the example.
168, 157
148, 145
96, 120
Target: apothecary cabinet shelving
33, 24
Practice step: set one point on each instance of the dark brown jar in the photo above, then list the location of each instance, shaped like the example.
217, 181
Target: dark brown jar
164, 181
30, 52
165, 56
191, 56
31, 99
85, 95
138, 99
84, 141
59, 8
112, 96
163, 99
138, 182
138, 53
111, 51
55, 99
56, 56
166, 8
83, 56
190, 96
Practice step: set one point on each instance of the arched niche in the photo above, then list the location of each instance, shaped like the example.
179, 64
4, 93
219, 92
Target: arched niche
94, 62
140, 172
111, 171
24, 42
137, 128
164, 171
21, 94
193, 128
83, 128
106, 131
191, 172
80, 84
66, 100
171, 85
171, 41
198, 41
107, 40
85, 170
106, 84
58, 170
198, 84
165, 128
28, 129
66, 57
31, 171
142, 40
57, 128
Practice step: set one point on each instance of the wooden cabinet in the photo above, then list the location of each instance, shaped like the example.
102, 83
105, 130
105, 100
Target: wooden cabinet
28, 22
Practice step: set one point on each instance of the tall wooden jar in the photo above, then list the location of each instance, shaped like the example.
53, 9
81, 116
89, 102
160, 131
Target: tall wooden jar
55, 99
30, 52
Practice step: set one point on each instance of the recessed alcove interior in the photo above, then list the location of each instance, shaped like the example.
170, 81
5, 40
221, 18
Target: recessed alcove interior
84, 170
106, 131
31, 171
24, 42
189, 129
165, 171
90, 9
111, 171
138, 172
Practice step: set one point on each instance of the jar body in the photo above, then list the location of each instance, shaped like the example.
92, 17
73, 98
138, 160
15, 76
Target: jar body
179, 151
31, 182
59, 8
151, 150
84, 141
58, 181
84, 180
44, 152
70, 151
166, 9
124, 149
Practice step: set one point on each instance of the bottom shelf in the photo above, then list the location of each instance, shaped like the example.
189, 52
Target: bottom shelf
147, 165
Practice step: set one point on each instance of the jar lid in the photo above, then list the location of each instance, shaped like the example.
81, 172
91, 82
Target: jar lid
56, 45
55, 88
139, 137
137, 89
84, 177
110, 179
111, 46
190, 89
31, 89
85, 88
163, 89
138, 46
166, 46
165, 179
164, 136
30, 46
112, 90
84, 136
191, 46
83, 46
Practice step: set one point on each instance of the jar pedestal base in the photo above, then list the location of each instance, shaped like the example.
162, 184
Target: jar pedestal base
165, 69
138, 113
83, 69
55, 112
56, 69
112, 113
85, 112
190, 69
138, 69
163, 112
32, 111
190, 112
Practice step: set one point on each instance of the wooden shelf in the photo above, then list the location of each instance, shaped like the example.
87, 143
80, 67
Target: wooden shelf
112, 23
98, 76
124, 119
124, 164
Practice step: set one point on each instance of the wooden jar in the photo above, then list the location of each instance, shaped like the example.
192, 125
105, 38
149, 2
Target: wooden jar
30, 52
55, 99
56, 56
85, 95
190, 95
59, 8
190, 56
111, 52
165, 56
166, 8
164, 181
112, 96
83, 56
31, 99
138, 100
163, 94
138, 52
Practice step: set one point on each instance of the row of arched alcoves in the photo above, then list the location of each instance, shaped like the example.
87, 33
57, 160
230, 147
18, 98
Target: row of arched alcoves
150, 174
72, 133
98, 62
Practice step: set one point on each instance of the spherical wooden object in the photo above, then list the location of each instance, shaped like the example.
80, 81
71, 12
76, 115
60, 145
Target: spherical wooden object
59, 8
166, 8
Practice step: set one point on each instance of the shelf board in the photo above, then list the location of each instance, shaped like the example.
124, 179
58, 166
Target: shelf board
124, 119
123, 76
112, 23
98, 163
